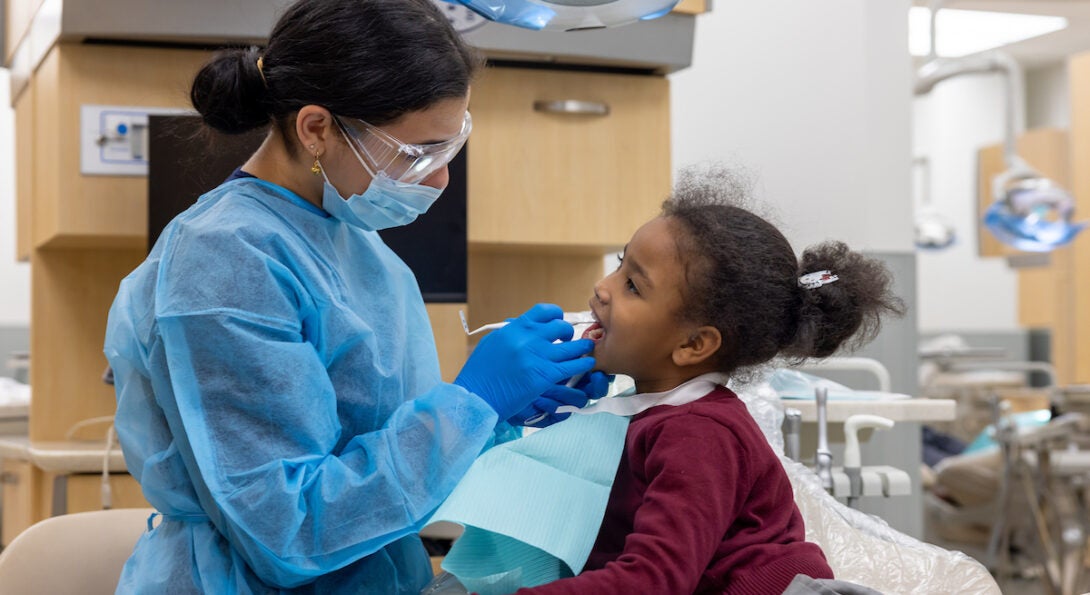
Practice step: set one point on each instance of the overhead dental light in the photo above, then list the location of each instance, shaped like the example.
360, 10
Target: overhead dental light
1030, 212
568, 15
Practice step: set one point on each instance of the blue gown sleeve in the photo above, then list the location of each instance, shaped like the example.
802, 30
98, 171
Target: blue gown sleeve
254, 414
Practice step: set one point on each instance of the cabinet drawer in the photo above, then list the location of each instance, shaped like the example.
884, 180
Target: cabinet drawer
540, 176
85, 492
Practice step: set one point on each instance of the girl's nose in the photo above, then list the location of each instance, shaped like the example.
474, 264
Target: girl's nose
601, 293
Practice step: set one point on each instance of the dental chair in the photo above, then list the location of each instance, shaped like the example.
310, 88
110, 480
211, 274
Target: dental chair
1025, 495
74, 553
861, 548
971, 376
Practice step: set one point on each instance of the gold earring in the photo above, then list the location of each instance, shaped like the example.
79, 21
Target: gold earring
316, 169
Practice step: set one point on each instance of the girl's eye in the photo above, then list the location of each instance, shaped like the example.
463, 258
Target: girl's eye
630, 286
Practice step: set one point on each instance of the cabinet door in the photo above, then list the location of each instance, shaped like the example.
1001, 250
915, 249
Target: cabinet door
543, 176
17, 497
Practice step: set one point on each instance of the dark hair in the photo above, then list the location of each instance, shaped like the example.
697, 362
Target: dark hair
742, 277
369, 59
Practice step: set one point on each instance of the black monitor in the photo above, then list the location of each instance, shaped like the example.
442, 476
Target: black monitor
185, 160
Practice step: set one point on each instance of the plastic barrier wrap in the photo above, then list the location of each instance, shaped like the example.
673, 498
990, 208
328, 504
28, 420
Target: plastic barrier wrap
862, 548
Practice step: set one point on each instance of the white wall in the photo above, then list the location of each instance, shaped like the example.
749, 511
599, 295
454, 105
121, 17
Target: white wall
14, 276
813, 98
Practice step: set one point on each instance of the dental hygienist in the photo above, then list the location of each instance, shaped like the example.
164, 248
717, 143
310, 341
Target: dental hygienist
278, 388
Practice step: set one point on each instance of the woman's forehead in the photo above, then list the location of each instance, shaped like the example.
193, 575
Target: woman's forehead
439, 122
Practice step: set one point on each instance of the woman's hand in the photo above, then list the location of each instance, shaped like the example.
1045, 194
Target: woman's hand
542, 412
518, 363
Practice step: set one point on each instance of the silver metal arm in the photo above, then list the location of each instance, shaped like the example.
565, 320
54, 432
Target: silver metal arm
823, 459
792, 428
938, 70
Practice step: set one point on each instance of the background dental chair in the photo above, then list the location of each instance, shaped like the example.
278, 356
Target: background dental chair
1026, 496
73, 553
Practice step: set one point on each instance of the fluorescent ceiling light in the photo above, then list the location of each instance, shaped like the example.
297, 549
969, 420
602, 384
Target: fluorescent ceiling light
963, 32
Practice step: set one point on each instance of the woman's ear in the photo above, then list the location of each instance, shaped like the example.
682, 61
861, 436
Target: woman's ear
703, 343
314, 127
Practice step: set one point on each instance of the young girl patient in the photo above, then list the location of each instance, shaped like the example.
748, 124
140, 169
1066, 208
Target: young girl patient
701, 503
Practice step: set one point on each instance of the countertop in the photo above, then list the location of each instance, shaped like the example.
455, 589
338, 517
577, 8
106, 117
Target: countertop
61, 457
14, 411
906, 410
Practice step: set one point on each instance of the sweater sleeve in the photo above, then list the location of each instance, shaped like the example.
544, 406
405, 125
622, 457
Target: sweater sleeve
684, 514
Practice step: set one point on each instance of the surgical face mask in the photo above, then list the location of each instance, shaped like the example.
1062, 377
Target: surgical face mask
386, 203
383, 205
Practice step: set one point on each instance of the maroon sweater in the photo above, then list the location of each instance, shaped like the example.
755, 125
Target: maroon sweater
700, 504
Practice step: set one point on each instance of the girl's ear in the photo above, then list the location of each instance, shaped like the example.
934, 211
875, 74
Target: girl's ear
703, 343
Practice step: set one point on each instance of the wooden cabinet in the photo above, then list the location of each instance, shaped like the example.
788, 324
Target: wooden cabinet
1076, 328
20, 507
553, 179
72, 210
24, 170
84, 492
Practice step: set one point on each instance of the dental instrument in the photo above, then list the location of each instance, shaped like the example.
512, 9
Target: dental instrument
540, 416
536, 419
573, 318
569, 317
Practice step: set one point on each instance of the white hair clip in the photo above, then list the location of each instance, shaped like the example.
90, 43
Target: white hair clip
817, 279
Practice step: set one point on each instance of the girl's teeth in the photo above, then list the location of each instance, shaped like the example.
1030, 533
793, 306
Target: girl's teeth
595, 332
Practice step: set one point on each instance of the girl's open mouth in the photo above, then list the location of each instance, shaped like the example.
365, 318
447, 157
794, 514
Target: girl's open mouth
594, 332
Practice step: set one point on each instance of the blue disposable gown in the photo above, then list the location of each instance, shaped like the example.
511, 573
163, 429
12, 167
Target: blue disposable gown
279, 400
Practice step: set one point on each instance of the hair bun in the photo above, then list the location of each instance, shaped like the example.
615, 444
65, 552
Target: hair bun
845, 312
229, 92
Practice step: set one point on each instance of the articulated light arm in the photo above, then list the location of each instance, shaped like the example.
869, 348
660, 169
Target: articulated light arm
940, 69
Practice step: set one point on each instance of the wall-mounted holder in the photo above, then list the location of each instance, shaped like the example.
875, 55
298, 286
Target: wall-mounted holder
114, 139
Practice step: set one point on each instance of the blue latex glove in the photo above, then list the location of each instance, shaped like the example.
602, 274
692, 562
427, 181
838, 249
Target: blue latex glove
542, 412
519, 362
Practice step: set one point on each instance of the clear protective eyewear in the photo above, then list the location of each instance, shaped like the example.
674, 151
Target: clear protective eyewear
382, 153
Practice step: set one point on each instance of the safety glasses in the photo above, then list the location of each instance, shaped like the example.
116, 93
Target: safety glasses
380, 152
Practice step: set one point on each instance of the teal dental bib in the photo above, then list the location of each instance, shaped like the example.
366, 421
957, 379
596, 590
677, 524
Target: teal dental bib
532, 507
